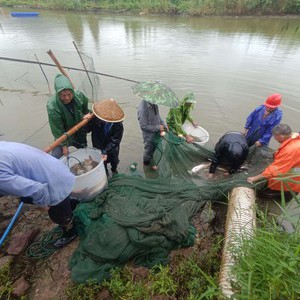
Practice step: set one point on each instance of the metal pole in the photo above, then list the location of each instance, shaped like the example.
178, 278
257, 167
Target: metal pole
66, 67
87, 73
43, 73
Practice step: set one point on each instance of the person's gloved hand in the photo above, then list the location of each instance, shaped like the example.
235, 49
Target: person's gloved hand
26, 200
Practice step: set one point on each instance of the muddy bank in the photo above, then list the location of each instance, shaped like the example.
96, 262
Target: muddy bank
49, 278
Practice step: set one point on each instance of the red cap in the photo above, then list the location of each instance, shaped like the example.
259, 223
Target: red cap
273, 101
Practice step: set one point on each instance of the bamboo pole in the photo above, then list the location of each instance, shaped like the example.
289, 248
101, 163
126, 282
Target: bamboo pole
60, 67
67, 134
240, 225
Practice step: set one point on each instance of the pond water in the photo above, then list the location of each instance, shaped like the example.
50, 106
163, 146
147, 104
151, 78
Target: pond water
231, 64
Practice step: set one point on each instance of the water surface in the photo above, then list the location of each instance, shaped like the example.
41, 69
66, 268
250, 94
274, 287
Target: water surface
231, 64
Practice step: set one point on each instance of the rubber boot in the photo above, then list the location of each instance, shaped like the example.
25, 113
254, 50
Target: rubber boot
69, 234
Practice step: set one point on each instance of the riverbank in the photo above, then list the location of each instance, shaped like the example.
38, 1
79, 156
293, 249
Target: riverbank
191, 271
171, 7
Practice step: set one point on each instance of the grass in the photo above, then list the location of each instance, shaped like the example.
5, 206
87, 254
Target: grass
190, 7
193, 277
5, 283
268, 266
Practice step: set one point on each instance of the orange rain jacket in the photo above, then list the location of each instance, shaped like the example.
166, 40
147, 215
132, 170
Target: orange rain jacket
286, 162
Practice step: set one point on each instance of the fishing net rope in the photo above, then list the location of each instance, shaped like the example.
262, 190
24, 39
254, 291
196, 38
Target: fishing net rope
143, 219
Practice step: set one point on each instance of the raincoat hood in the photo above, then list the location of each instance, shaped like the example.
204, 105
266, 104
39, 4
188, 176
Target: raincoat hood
178, 115
61, 83
189, 98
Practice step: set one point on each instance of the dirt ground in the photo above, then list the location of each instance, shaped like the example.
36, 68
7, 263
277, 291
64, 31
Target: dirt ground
49, 277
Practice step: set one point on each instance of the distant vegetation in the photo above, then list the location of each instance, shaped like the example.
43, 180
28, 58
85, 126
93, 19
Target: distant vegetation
189, 7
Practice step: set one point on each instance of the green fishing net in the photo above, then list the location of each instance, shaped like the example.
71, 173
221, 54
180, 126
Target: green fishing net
143, 219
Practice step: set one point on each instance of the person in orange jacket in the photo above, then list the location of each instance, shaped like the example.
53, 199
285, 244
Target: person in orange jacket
286, 162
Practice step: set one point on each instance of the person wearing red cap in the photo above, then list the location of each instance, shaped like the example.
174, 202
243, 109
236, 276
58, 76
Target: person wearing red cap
259, 124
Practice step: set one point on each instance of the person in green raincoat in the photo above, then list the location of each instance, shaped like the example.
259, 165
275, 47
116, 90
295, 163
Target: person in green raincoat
66, 108
178, 115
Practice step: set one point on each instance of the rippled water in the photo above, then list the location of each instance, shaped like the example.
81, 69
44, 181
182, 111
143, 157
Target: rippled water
231, 64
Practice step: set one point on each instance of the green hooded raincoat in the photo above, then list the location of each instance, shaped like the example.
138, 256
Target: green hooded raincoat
60, 118
178, 115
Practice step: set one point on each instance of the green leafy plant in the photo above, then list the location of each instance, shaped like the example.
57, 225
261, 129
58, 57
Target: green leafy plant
86, 291
162, 281
268, 265
5, 283
122, 285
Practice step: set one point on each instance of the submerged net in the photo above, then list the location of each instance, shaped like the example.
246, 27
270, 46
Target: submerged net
143, 219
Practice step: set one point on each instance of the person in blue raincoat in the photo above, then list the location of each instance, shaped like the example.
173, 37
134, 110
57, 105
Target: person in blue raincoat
40, 179
259, 124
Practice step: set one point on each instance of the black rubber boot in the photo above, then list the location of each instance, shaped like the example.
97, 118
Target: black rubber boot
114, 172
67, 237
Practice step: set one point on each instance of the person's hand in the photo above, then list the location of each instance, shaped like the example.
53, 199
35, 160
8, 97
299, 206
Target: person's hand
195, 124
226, 173
258, 144
65, 150
162, 133
250, 180
161, 128
87, 116
246, 131
189, 139
211, 175
104, 157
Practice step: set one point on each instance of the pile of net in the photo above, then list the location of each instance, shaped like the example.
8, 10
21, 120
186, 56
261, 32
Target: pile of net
143, 219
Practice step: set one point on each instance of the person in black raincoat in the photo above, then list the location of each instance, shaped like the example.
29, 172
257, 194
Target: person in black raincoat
107, 132
107, 137
231, 151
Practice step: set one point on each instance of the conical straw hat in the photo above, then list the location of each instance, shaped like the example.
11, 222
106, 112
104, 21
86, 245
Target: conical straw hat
108, 110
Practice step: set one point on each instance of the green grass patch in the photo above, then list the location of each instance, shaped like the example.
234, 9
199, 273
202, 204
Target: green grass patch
184, 278
268, 266
5, 283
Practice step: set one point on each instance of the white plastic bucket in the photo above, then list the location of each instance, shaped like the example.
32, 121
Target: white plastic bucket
197, 132
90, 184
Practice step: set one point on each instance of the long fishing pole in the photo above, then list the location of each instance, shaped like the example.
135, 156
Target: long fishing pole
66, 67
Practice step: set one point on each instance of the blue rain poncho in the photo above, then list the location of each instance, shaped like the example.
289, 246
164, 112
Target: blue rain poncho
261, 129
29, 172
